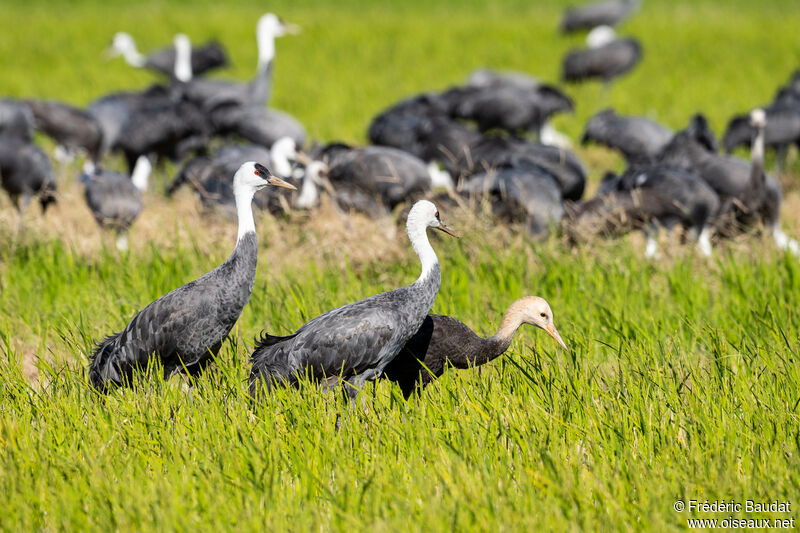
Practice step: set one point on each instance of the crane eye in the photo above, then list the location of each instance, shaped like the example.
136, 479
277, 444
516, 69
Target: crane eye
543, 315
436, 214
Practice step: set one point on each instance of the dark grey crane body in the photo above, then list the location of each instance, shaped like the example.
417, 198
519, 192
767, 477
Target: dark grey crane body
524, 193
372, 179
204, 58
511, 108
604, 13
164, 128
648, 197
604, 62
747, 195
16, 120
443, 341
69, 126
257, 124
210, 178
401, 125
729, 176
113, 199
113, 110
211, 93
355, 342
788, 94
439, 342
450, 143
639, 139
695, 203
783, 129
25, 170
494, 151
185, 328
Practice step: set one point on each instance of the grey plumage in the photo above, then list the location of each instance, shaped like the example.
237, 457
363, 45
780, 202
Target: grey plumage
256, 124
204, 58
209, 176
16, 120
510, 107
639, 139
211, 93
444, 341
604, 13
524, 193
356, 341
113, 199
184, 329
25, 170
374, 179
69, 126
604, 62
648, 197
112, 111
783, 129
164, 128
495, 151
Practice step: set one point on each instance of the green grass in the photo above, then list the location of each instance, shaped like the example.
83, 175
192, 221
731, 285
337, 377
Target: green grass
682, 380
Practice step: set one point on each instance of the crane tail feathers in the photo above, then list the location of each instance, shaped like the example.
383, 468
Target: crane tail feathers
103, 372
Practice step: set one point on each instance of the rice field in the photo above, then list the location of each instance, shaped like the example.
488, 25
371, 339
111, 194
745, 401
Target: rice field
682, 381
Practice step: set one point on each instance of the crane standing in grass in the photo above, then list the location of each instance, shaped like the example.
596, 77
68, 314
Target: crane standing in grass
354, 343
443, 340
185, 328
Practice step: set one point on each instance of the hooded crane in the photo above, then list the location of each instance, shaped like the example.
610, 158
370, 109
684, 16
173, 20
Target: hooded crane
606, 13
523, 192
115, 199
605, 58
443, 340
782, 130
184, 329
375, 179
513, 108
112, 111
416, 125
639, 139
208, 175
205, 58
647, 197
354, 343
72, 128
491, 151
741, 201
256, 124
211, 93
25, 170
763, 200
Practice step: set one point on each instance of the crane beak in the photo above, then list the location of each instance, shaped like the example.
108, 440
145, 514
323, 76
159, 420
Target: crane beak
442, 227
551, 329
302, 158
275, 181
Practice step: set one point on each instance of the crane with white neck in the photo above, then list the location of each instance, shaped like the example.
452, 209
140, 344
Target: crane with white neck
353, 343
184, 329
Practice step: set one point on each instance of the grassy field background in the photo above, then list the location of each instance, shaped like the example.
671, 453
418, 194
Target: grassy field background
682, 380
